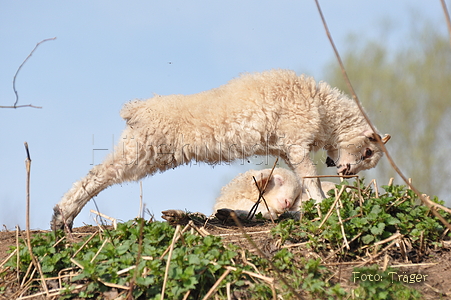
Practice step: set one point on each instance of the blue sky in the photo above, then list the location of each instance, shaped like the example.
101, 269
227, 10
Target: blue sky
109, 52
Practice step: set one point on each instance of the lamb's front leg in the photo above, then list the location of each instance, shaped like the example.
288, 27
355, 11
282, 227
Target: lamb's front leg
299, 160
127, 163
99, 178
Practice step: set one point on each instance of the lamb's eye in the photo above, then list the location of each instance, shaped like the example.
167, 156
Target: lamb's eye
368, 153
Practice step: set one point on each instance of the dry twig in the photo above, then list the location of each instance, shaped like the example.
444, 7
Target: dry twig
168, 262
261, 191
35, 262
381, 144
17, 72
448, 21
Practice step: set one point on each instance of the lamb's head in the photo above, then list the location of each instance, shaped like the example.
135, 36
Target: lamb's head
362, 152
281, 191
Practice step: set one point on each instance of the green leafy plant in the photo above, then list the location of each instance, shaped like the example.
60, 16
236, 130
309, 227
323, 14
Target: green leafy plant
136, 254
364, 222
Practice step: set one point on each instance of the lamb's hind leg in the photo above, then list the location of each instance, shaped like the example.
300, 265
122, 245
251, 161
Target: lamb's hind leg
121, 166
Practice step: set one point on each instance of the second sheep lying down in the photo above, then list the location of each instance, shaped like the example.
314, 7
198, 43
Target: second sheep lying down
283, 193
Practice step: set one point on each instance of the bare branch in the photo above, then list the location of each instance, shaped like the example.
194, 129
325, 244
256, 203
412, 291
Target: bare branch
17, 72
384, 149
448, 21
19, 106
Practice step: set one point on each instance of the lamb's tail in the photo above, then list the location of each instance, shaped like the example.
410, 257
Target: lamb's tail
129, 109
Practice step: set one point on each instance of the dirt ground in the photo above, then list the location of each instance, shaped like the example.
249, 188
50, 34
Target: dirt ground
434, 268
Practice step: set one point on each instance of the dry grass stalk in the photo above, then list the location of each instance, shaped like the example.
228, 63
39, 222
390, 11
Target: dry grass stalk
114, 285
29, 269
414, 265
6, 260
374, 183
202, 231
332, 206
260, 252
168, 262
100, 249
390, 182
339, 204
249, 233
85, 243
346, 263
18, 253
381, 144
384, 266
182, 232
267, 279
186, 295
373, 257
342, 247
433, 204
215, 286
111, 219
389, 239
138, 259
295, 245
141, 212
261, 191
61, 275
27, 220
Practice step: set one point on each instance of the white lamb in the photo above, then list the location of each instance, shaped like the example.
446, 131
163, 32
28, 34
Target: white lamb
271, 113
283, 193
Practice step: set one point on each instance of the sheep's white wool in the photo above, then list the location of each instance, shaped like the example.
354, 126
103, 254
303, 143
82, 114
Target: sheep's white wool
283, 192
271, 113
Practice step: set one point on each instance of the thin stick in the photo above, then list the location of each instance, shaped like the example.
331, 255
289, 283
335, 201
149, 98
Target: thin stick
18, 70
260, 198
98, 251
414, 265
85, 243
373, 257
18, 253
168, 262
9, 256
213, 288
332, 207
261, 192
379, 141
260, 252
337, 207
252, 274
141, 213
27, 221
138, 259
113, 220
181, 232
448, 21
249, 233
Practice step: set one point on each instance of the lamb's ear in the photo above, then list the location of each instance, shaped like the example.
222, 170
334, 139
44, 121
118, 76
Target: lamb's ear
277, 179
371, 135
386, 138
